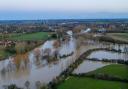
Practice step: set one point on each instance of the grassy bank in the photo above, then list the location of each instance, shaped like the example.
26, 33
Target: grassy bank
88, 83
117, 70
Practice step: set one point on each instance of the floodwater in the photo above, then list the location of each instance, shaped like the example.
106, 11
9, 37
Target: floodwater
88, 66
34, 66
122, 47
108, 55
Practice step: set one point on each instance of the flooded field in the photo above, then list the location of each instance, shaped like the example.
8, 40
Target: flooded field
88, 66
34, 66
108, 55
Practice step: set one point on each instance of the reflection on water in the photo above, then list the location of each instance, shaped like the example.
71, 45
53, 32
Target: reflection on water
123, 47
88, 66
108, 55
34, 66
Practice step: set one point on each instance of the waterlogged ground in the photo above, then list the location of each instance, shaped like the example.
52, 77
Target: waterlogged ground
108, 55
88, 66
34, 67
17, 70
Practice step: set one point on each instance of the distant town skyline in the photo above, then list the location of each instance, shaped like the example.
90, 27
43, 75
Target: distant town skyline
62, 9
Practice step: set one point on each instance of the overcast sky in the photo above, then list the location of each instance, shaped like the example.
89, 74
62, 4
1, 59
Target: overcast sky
59, 9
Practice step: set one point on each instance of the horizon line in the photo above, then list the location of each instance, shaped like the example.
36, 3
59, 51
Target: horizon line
64, 19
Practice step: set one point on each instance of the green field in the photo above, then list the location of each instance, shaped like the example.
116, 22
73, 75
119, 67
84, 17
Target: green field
39, 37
10, 35
119, 36
88, 83
118, 70
31, 37
4, 54
25, 37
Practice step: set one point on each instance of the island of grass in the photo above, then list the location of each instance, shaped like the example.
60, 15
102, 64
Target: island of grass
115, 70
119, 36
89, 83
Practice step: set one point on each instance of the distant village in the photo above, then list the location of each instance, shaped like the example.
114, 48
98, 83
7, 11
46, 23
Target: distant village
58, 26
